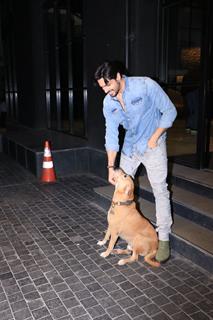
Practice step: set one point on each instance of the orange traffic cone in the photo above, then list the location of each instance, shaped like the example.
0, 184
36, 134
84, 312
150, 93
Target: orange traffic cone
48, 172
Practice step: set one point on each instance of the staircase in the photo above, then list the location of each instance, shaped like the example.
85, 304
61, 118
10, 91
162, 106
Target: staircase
192, 206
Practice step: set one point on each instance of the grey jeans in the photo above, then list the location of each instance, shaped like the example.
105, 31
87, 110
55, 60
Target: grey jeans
155, 161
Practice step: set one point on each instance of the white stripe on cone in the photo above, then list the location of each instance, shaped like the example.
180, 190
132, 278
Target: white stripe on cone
47, 164
47, 152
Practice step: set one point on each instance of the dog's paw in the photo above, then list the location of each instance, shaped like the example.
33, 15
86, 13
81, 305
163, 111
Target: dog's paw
121, 262
104, 254
129, 247
101, 242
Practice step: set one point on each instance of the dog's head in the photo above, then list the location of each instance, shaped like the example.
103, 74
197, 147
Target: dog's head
124, 188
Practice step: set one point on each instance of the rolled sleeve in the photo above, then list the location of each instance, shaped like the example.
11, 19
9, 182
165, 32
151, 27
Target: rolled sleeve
111, 136
165, 105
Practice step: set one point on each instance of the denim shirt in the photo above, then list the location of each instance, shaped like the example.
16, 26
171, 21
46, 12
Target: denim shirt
147, 107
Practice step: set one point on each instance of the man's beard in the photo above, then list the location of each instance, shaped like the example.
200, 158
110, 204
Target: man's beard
113, 93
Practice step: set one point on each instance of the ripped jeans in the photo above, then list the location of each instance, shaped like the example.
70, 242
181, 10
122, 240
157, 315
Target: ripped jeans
155, 161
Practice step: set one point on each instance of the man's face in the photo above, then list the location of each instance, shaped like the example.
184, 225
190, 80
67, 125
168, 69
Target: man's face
112, 87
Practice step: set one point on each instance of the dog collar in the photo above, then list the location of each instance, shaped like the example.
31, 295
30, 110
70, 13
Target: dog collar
122, 203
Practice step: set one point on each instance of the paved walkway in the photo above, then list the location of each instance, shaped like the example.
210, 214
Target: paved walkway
50, 267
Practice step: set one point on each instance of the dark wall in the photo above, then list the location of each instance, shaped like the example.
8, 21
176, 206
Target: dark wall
143, 37
104, 24
38, 64
22, 54
28, 49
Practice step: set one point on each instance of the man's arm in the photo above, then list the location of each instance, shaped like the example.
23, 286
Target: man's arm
164, 104
167, 109
111, 163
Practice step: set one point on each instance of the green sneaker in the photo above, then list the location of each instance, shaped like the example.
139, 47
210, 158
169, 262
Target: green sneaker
163, 252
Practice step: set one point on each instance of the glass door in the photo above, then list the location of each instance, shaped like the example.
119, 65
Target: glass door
182, 65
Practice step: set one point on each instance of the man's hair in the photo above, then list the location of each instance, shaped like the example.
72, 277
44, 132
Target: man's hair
108, 70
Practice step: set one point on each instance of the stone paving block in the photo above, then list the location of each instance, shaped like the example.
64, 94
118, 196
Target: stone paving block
19, 305
123, 317
134, 311
84, 317
54, 303
180, 316
2, 297
65, 294
189, 308
142, 317
168, 291
4, 306
40, 313
206, 306
77, 311
49, 318
71, 302
126, 303
95, 311
134, 293
161, 316
103, 317
6, 315
35, 304
115, 311
179, 299
61, 287
22, 314
59, 312
161, 300
107, 302
151, 309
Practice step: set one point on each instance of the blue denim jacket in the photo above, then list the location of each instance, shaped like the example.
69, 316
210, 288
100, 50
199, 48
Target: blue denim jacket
147, 108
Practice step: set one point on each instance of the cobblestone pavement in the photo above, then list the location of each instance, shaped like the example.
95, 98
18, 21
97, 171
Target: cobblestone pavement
50, 264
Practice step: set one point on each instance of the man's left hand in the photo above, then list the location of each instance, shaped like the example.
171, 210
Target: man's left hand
152, 143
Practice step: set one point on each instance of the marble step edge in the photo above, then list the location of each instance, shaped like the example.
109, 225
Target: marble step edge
194, 180
200, 177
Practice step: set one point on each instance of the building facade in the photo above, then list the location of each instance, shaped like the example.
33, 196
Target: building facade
51, 48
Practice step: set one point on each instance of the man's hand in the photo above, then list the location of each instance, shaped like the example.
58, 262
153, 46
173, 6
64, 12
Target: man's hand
111, 174
152, 143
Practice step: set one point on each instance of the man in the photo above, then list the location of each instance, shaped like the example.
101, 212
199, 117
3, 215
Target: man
145, 111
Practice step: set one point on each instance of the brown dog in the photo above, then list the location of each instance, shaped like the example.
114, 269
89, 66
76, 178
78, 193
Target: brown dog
126, 222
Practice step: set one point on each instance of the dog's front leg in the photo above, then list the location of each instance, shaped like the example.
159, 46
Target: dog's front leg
106, 238
112, 242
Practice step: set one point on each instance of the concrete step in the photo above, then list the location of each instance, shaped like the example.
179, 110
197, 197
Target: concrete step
187, 204
197, 181
188, 238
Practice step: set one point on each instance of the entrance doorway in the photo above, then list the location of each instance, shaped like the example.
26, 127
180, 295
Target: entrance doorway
185, 69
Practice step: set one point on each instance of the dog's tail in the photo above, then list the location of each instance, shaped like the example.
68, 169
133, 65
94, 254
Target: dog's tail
149, 259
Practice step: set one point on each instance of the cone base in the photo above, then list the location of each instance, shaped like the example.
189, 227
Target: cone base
48, 175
